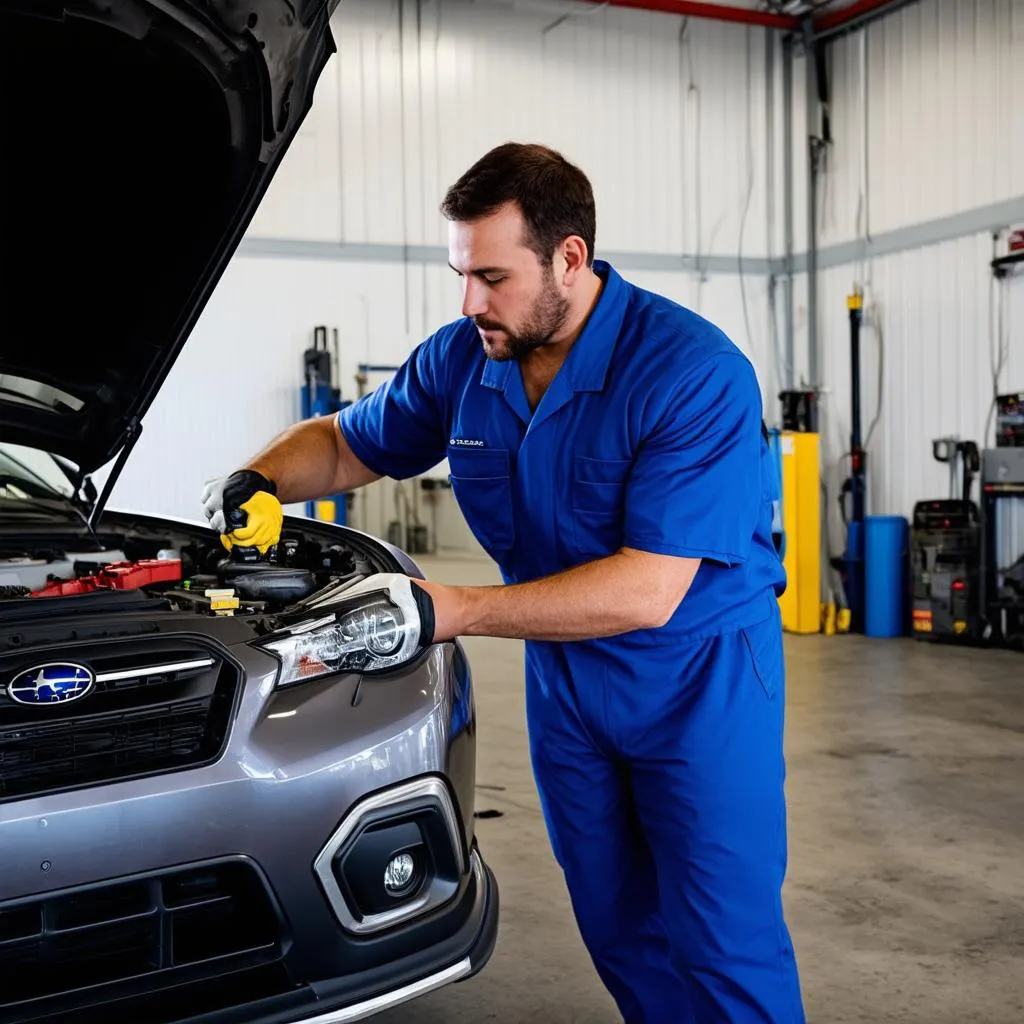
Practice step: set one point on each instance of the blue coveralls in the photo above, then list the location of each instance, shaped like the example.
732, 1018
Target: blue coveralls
658, 754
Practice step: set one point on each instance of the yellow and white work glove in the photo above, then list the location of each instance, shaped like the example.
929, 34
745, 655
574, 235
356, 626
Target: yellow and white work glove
244, 510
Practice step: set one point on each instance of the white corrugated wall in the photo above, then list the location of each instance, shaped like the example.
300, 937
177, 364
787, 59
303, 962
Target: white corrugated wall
668, 117
653, 107
928, 122
943, 133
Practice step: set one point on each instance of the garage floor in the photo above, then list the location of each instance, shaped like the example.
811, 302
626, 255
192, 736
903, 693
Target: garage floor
906, 882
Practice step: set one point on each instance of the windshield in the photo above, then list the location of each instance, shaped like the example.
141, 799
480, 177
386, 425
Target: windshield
27, 474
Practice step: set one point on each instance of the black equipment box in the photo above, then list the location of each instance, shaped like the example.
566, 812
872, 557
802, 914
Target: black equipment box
945, 560
1002, 496
1010, 421
945, 555
799, 411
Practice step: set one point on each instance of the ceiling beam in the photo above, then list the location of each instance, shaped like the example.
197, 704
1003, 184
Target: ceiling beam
714, 12
829, 22
856, 15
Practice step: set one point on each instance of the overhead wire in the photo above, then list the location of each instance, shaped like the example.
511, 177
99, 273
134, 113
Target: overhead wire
702, 253
872, 314
338, 28
683, 99
426, 223
777, 362
690, 115
404, 164
570, 15
871, 320
876, 329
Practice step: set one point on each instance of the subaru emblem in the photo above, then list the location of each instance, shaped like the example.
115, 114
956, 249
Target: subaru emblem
57, 683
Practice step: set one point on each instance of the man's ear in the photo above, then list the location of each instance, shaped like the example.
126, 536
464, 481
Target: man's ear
574, 253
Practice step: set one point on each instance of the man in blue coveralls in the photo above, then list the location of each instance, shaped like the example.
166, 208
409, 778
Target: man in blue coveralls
606, 449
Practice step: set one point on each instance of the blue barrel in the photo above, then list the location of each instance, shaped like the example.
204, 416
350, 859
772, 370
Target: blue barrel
886, 550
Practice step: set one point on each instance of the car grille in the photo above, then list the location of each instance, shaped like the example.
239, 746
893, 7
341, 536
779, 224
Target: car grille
182, 926
156, 706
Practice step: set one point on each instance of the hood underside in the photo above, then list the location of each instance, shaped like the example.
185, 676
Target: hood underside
140, 137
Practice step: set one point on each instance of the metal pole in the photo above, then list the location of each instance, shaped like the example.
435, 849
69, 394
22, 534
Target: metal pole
770, 207
787, 200
812, 207
769, 120
858, 457
856, 541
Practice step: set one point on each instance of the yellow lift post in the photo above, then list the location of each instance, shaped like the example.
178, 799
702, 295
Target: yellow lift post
801, 519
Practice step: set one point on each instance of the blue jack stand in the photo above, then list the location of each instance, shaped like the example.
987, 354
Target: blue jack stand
322, 397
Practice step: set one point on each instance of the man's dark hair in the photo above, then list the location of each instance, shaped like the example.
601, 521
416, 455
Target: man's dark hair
555, 197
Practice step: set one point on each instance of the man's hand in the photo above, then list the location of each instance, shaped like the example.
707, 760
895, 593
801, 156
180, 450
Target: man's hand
250, 515
449, 617
213, 503
309, 460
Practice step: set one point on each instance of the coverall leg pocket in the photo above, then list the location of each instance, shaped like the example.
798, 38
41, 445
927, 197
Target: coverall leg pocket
767, 659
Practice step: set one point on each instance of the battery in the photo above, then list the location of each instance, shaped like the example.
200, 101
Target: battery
116, 576
143, 573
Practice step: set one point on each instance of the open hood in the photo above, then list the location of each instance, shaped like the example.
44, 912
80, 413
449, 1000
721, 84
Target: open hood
139, 137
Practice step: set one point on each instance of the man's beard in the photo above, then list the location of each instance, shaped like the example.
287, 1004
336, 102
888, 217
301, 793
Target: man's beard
547, 316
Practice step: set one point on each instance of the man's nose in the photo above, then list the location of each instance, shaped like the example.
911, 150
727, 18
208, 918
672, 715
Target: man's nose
474, 299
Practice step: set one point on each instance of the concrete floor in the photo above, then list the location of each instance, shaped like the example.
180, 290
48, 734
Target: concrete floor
906, 798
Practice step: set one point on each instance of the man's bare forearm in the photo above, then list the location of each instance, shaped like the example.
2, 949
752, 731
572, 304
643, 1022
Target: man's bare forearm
623, 592
310, 460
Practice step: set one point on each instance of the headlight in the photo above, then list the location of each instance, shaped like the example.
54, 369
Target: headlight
376, 626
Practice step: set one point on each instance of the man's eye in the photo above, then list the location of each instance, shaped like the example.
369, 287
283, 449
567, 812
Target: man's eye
493, 280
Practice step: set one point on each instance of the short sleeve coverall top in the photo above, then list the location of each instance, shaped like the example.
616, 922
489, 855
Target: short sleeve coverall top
648, 437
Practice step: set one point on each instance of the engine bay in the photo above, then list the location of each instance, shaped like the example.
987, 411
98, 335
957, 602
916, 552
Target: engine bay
189, 570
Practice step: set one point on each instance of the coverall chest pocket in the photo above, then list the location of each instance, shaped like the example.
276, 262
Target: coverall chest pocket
482, 484
598, 505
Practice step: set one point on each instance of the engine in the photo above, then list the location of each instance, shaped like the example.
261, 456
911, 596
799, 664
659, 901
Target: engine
195, 574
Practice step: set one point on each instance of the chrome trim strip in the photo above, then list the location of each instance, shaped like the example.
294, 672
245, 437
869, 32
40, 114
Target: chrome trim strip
154, 670
419, 788
370, 1007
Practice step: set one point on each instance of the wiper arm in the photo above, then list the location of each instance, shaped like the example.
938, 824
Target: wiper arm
52, 506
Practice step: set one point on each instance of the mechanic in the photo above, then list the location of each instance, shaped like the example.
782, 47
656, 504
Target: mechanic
606, 447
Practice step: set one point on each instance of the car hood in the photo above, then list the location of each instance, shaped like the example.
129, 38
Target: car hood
139, 139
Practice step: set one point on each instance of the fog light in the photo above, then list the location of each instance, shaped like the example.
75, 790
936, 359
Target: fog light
399, 875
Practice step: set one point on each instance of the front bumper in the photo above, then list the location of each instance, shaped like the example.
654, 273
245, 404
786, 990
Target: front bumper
268, 993
302, 766
339, 1001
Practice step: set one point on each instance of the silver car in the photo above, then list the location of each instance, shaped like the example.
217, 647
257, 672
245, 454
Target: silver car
229, 793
